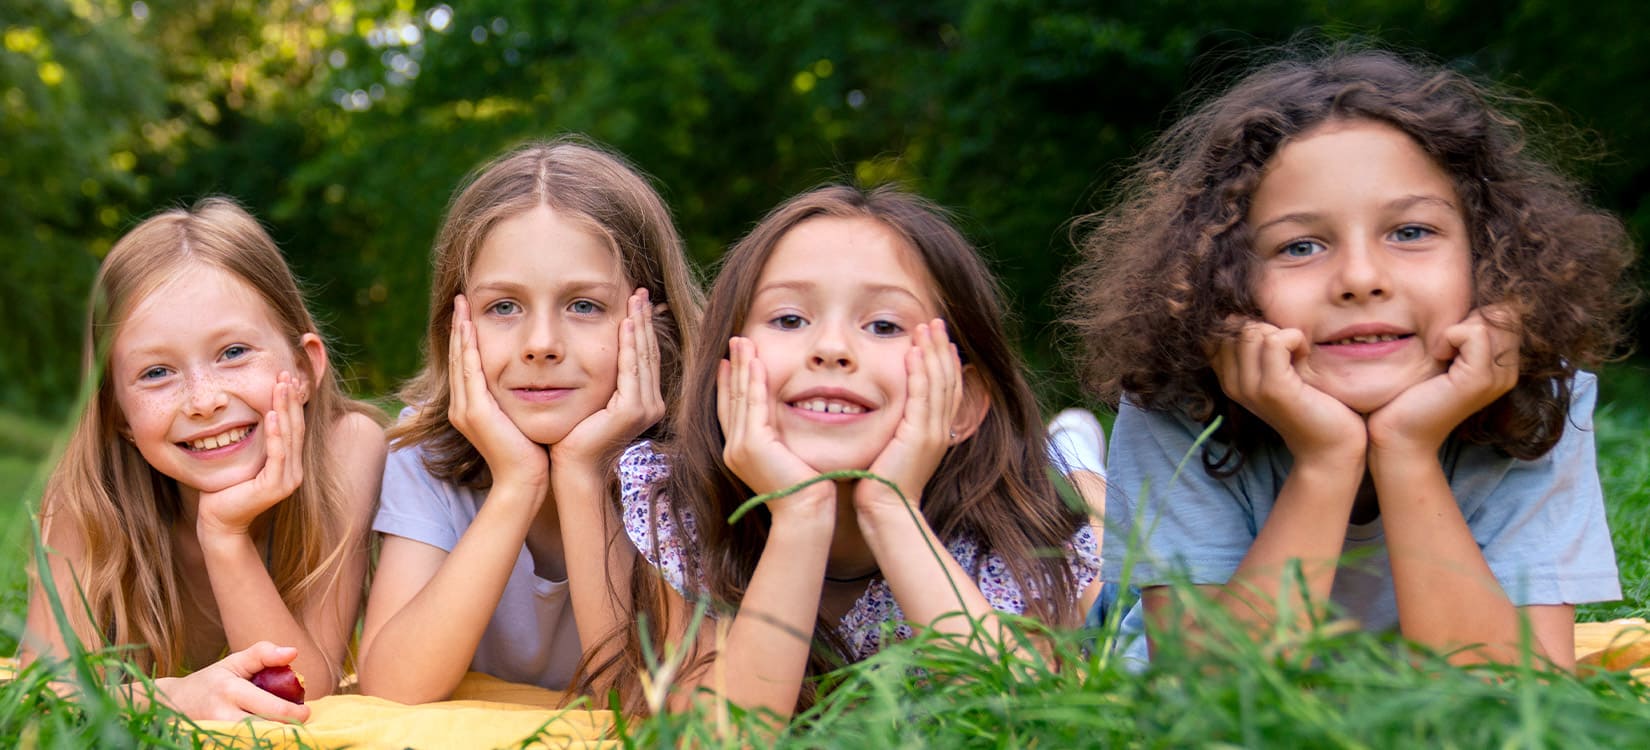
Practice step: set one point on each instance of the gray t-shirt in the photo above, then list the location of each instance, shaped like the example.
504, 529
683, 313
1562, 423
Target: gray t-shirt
531, 637
1540, 523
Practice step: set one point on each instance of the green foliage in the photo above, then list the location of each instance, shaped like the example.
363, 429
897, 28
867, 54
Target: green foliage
347, 125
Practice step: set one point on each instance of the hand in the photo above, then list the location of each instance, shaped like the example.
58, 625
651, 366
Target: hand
1260, 370
232, 510
752, 449
636, 403
933, 395
224, 690
1483, 355
476, 415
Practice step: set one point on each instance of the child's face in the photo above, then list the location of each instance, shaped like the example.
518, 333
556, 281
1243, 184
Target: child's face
547, 296
193, 370
832, 318
1364, 249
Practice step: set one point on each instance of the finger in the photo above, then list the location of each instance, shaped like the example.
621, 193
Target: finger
738, 382
626, 388
759, 414
647, 342
292, 424
917, 381
254, 658
951, 371
458, 403
724, 374
264, 704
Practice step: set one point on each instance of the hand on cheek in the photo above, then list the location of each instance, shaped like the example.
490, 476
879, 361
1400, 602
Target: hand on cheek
1260, 370
752, 449
933, 397
1483, 365
473, 411
233, 509
636, 403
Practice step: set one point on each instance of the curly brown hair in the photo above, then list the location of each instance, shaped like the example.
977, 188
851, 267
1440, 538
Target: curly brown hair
1168, 268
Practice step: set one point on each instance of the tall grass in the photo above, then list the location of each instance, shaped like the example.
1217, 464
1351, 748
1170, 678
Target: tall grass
1329, 688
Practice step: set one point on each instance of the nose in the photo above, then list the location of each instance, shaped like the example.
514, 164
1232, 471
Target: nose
544, 339
206, 396
1362, 274
832, 347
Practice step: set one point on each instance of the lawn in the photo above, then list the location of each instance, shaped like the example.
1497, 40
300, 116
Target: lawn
1333, 689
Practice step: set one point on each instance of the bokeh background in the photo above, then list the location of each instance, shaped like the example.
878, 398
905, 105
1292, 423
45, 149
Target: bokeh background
346, 124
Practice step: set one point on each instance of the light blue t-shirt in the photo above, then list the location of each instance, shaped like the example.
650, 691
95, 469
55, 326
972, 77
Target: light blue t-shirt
531, 637
1539, 523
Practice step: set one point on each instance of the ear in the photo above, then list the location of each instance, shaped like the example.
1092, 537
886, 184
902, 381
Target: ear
976, 403
316, 351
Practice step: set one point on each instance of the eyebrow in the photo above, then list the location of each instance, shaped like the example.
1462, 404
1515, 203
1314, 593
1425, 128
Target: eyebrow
513, 287
1396, 204
808, 286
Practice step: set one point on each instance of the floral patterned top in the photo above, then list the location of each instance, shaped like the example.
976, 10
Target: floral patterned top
641, 467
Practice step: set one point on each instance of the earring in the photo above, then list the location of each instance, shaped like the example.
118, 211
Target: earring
953, 436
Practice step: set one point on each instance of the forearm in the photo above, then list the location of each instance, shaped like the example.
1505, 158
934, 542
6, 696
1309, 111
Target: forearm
1448, 598
598, 558
252, 610
926, 580
1307, 526
765, 656
423, 649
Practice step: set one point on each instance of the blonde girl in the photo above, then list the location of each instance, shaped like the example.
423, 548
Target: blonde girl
215, 492
560, 302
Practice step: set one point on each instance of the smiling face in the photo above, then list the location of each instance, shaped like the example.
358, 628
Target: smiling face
1363, 248
193, 389
832, 317
547, 295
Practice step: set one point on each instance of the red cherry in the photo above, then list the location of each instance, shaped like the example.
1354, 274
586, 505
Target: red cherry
282, 682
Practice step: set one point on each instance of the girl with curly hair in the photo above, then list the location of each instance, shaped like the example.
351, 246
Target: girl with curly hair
1355, 262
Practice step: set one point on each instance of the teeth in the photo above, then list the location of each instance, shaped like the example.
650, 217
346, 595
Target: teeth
1370, 339
228, 437
830, 406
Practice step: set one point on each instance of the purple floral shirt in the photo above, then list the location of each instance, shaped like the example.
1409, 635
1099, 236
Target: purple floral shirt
641, 467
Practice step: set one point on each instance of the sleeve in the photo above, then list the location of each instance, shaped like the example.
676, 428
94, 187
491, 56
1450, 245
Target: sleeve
1165, 516
1542, 524
413, 504
650, 525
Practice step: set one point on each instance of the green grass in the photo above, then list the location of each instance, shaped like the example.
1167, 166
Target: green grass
1334, 689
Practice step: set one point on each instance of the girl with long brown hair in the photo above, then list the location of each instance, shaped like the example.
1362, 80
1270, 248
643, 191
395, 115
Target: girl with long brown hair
849, 330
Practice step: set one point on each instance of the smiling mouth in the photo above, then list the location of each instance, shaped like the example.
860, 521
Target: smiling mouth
212, 442
1374, 339
828, 406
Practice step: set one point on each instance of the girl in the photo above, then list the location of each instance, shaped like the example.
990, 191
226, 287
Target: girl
215, 492
560, 303
828, 346
1355, 263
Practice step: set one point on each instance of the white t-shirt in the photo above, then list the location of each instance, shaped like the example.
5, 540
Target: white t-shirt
531, 637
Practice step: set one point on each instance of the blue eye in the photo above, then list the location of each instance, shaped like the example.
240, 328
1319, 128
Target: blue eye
1301, 249
504, 307
584, 307
234, 351
787, 322
884, 328
154, 373
1410, 233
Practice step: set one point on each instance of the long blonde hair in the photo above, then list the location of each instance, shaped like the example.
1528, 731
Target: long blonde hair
598, 188
122, 508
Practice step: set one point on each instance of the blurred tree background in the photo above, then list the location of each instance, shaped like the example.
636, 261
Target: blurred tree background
346, 124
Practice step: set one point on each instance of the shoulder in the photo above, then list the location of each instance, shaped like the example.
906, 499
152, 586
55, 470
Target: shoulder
357, 437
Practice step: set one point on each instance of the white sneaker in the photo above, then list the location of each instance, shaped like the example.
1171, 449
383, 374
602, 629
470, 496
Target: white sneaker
1077, 442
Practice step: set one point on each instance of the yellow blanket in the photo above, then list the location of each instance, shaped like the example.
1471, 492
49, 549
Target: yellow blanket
484, 712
